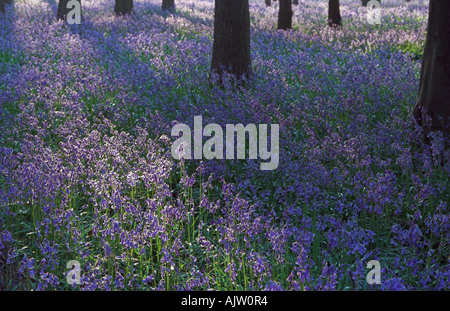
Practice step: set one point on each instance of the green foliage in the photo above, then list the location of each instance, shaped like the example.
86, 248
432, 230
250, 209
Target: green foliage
414, 49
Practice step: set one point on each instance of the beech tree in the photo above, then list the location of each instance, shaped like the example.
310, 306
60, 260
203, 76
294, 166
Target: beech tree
285, 15
434, 90
168, 5
231, 46
268, 2
2, 5
63, 10
123, 7
334, 14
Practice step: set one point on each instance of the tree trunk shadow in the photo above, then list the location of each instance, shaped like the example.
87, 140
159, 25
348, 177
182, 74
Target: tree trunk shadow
11, 71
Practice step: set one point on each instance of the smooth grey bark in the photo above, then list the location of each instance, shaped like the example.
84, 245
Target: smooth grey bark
434, 90
285, 15
123, 7
231, 46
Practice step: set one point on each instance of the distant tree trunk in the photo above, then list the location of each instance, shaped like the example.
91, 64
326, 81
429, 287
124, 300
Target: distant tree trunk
268, 2
231, 47
434, 91
63, 10
2, 6
8, 1
168, 5
295, 2
123, 7
285, 15
334, 14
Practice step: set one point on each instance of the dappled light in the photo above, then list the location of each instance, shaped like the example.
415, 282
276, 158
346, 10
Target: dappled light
328, 172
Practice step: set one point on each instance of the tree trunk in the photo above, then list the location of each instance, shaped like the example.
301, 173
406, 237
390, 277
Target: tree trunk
2, 6
433, 100
231, 47
123, 7
8, 1
268, 2
334, 14
63, 10
285, 15
295, 2
168, 5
